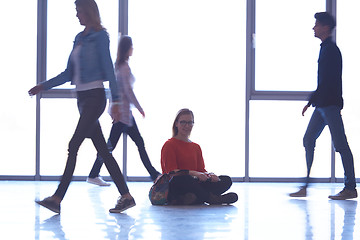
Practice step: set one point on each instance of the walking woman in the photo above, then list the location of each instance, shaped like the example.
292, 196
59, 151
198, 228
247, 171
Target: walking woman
127, 123
89, 65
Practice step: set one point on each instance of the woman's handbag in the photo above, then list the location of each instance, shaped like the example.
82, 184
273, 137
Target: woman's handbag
159, 191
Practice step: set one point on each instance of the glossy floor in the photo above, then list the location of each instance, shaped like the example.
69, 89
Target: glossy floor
264, 211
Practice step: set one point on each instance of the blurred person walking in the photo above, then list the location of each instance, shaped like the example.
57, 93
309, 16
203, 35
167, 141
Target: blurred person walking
328, 102
89, 65
126, 123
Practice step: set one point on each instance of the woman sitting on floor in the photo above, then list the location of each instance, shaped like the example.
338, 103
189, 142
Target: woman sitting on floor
199, 186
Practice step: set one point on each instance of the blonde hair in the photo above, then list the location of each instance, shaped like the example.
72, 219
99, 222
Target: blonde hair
91, 10
181, 112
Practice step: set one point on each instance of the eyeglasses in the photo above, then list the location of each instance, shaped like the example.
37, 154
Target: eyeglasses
189, 123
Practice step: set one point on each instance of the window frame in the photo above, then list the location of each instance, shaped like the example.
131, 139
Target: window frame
251, 94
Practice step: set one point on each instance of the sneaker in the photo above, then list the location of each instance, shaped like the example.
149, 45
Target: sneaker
300, 193
344, 194
229, 198
50, 204
97, 181
123, 204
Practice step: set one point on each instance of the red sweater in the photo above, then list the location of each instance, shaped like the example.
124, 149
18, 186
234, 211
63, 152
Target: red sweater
177, 154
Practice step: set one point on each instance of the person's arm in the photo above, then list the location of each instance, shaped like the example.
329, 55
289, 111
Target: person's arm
53, 82
125, 75
213, 177
202, 174
328, 89
107, 65
330, 70
35, 90
305, 108
168, 158
109, 74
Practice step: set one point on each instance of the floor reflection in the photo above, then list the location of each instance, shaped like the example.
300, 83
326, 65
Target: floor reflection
344, 210
303, 206
195, 222
264, 211
52, 225
349, 208
117, 226
125, 224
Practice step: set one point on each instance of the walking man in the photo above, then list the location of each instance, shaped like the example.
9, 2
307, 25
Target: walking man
328, 102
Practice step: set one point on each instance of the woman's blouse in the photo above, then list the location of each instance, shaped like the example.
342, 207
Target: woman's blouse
126, 80
177, 154
79, 86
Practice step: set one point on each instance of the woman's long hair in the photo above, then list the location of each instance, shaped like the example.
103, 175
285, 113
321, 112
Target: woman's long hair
178, 115
124, 46
91, 10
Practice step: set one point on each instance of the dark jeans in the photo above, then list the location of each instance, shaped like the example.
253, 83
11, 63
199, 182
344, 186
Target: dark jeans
180, 185
116, 130
330, 116
91, 105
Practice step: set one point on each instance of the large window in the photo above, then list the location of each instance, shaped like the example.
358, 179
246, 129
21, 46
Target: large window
55, 114
276, 141
59, 116
286, 51
190, 54
244, 67
61, 34
347, 37
286, 54
18, 74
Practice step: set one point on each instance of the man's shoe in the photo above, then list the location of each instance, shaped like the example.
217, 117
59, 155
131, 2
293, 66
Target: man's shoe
301, 193
50, 204
344, 194
229, 198
123, 204
97, 181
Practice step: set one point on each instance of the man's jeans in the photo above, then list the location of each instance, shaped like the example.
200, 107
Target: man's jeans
330, 116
